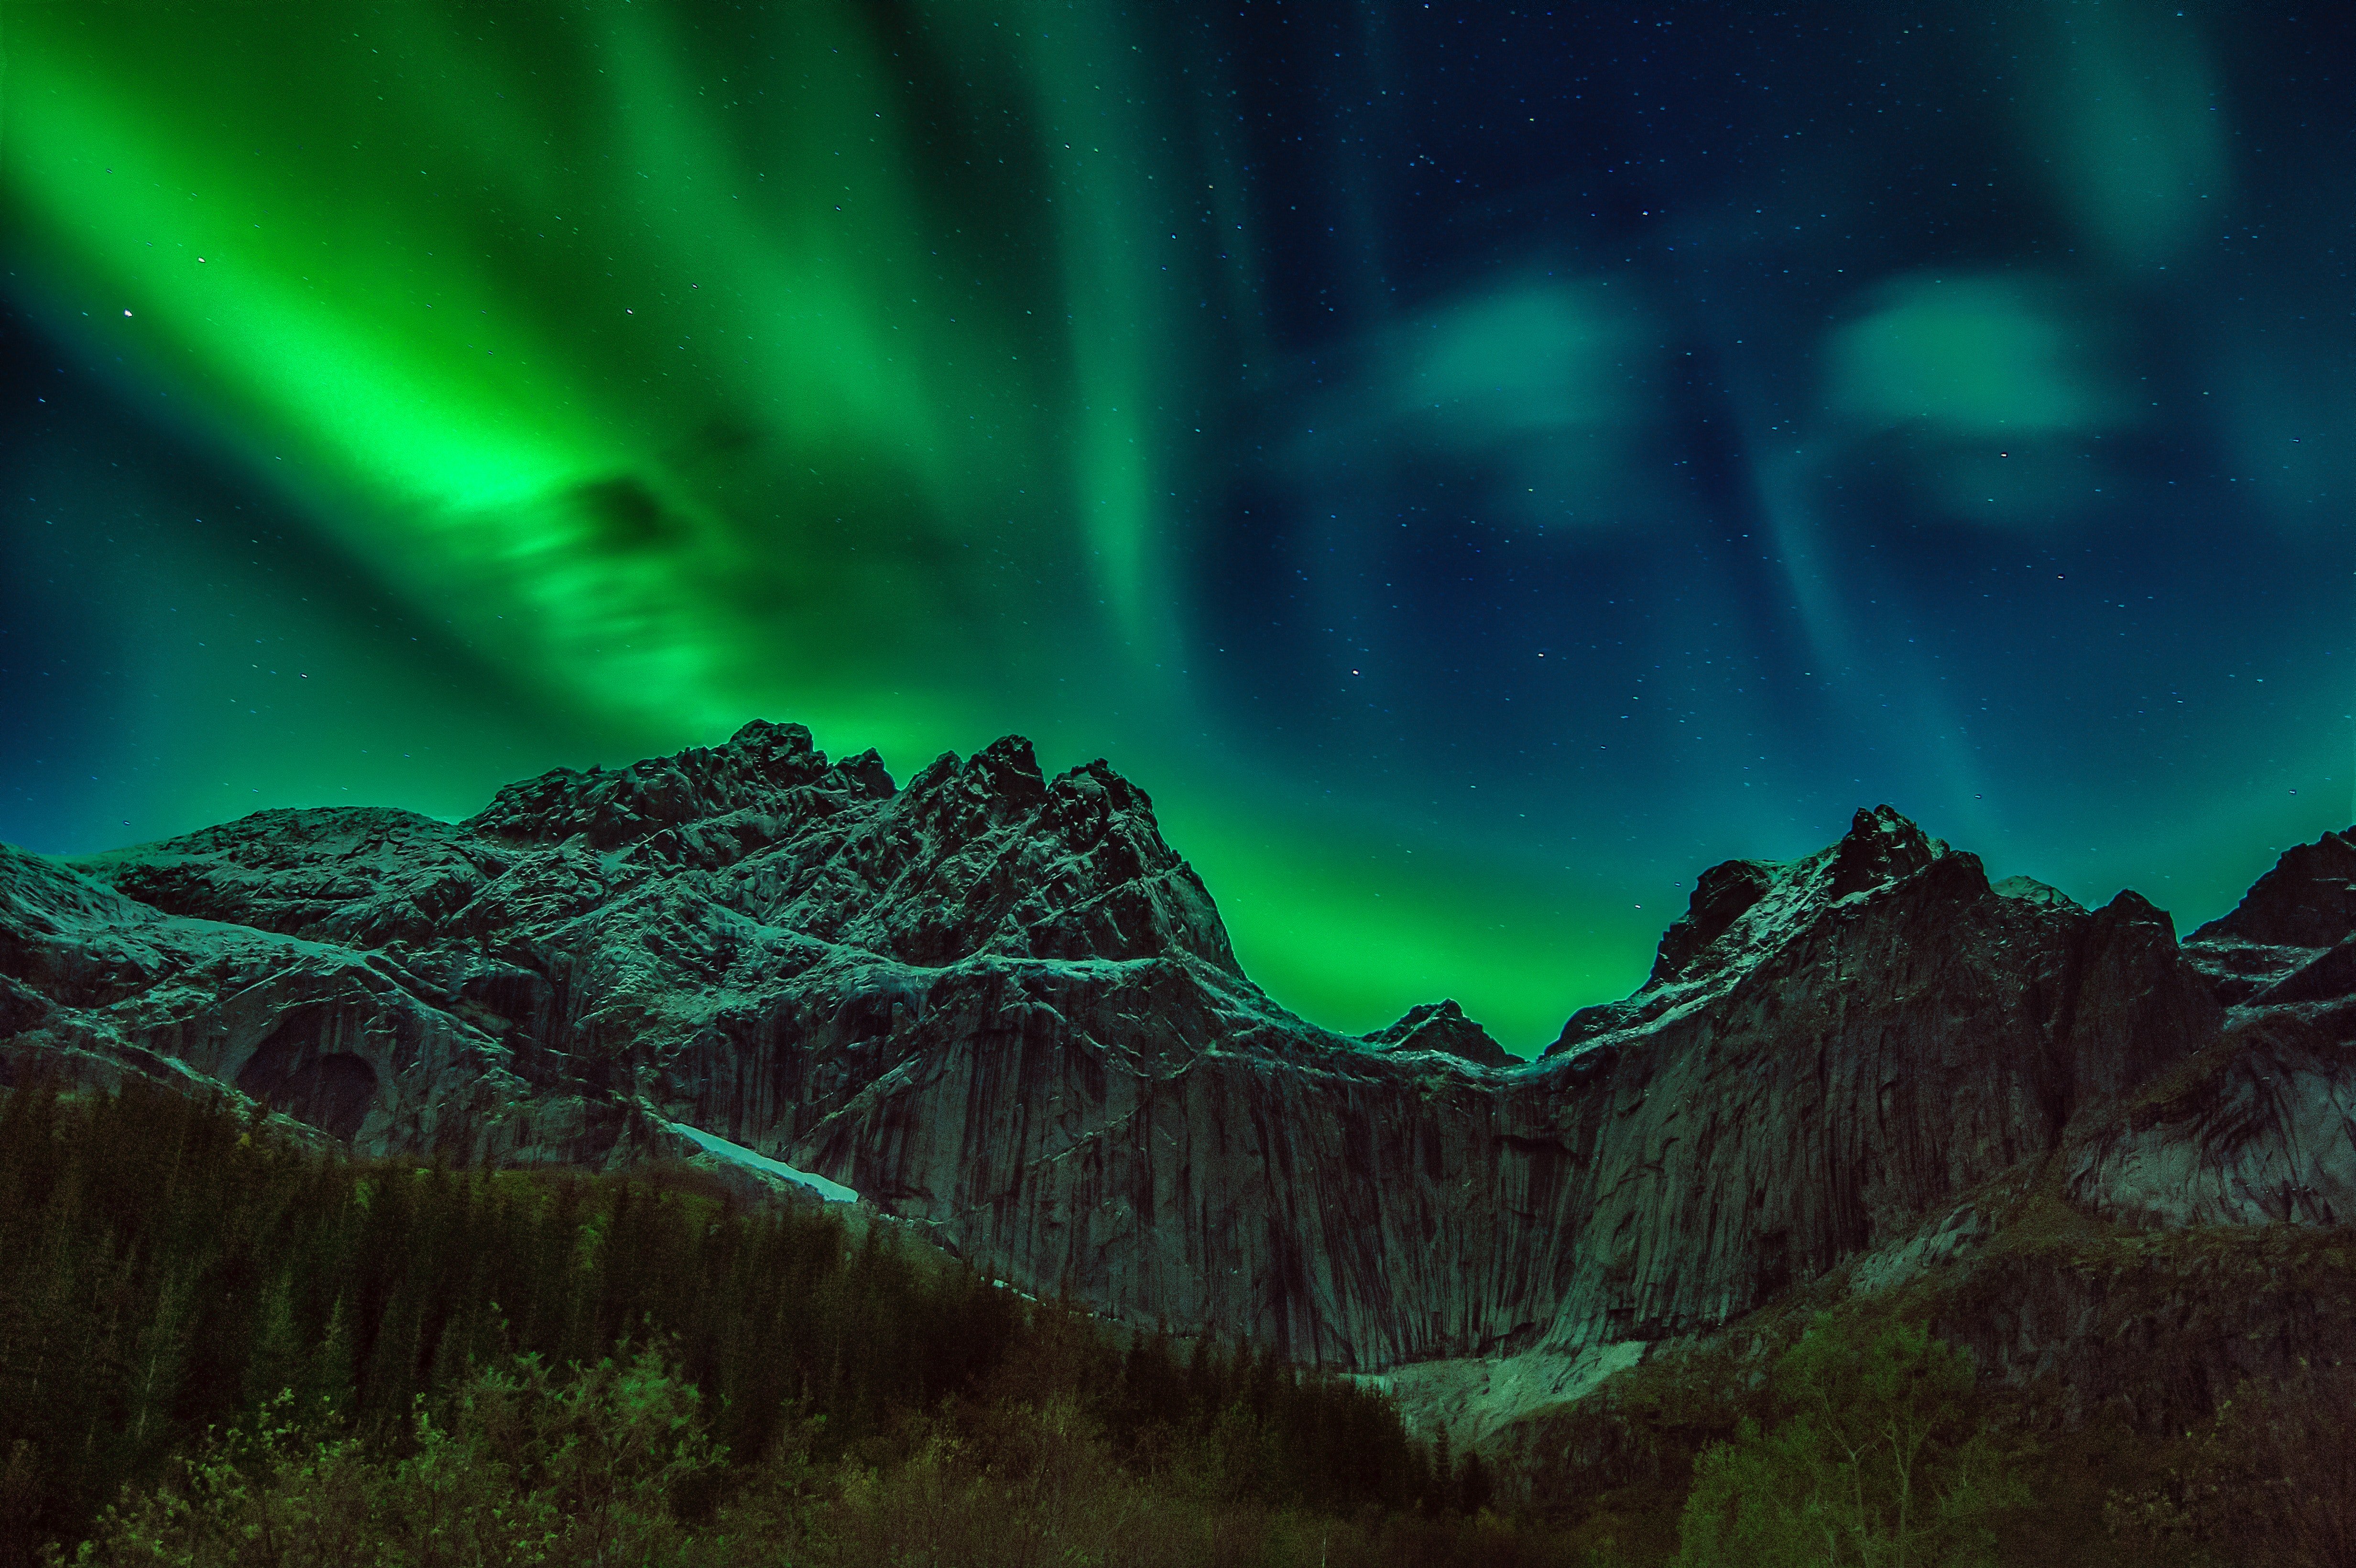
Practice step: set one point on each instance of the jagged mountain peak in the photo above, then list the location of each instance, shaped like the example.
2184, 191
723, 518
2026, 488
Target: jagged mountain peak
2030, 890
977, 855
1721, 895
1442, 1027
1006, 773
1007, 769
1740, 913
1879, 848
1739, 906
1072, 867
2306, 898
759, 769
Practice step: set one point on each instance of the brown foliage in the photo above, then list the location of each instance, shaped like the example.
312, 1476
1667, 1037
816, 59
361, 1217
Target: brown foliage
2272, 1480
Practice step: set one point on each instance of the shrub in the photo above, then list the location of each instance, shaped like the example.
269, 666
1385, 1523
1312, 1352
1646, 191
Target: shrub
532, 1469
1874, 1461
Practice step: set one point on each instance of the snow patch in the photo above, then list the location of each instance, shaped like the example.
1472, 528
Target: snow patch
1475, 1399
712, 1143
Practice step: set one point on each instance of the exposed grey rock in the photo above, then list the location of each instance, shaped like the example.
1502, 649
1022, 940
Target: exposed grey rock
1873, 1032
2032, 890
1476, 1399
1000, 1008
2261, 1125
2306, 900
2302, 907
1442, 1027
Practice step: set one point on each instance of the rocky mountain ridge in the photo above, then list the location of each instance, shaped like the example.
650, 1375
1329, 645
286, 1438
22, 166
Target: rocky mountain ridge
1000, 1007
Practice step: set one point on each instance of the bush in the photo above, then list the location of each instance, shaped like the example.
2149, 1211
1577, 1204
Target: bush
532, 1469
1875, 1461
2271, 1480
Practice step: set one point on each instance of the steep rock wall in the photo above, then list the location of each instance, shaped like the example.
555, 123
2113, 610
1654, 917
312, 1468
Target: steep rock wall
1002, 1006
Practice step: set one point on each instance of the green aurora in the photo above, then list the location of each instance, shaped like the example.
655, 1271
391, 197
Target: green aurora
449, 391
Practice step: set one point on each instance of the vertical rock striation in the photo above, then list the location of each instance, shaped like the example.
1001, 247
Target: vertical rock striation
1000, 1007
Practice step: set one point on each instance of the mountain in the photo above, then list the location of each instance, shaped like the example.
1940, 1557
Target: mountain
1000, 1007
1442, 1026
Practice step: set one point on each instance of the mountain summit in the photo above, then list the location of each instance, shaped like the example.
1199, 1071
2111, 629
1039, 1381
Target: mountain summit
1001, 1007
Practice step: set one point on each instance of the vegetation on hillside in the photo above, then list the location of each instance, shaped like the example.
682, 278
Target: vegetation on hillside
1873, 1459
249, 1336
1838, 1430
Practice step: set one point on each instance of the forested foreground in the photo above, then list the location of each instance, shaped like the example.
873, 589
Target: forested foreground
285, 1355
217, 1348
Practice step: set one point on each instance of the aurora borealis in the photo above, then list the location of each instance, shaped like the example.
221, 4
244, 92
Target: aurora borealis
1474, 466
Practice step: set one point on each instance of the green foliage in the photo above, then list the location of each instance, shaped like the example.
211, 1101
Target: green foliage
532, 1470
168, 1269
164, 1268
2139, 1461
609, 1465
1876, 1460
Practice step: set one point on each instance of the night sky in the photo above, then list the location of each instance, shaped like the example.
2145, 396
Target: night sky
1474, 466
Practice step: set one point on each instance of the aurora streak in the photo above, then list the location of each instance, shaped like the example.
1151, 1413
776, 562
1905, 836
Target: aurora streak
1474, 467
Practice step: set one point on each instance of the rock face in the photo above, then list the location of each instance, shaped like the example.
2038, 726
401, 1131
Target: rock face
2262, 1124
999, 1005
1830, 1049
1442, 1027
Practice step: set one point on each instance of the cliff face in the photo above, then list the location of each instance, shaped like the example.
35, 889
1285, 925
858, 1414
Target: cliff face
2261, 1126
1830, 1049
1001, 1007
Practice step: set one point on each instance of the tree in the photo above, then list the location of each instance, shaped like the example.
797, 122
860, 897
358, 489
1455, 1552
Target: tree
1472, 1487
1875, 1462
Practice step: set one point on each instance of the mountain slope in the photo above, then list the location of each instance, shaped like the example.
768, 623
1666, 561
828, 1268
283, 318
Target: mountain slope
1002, 1006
